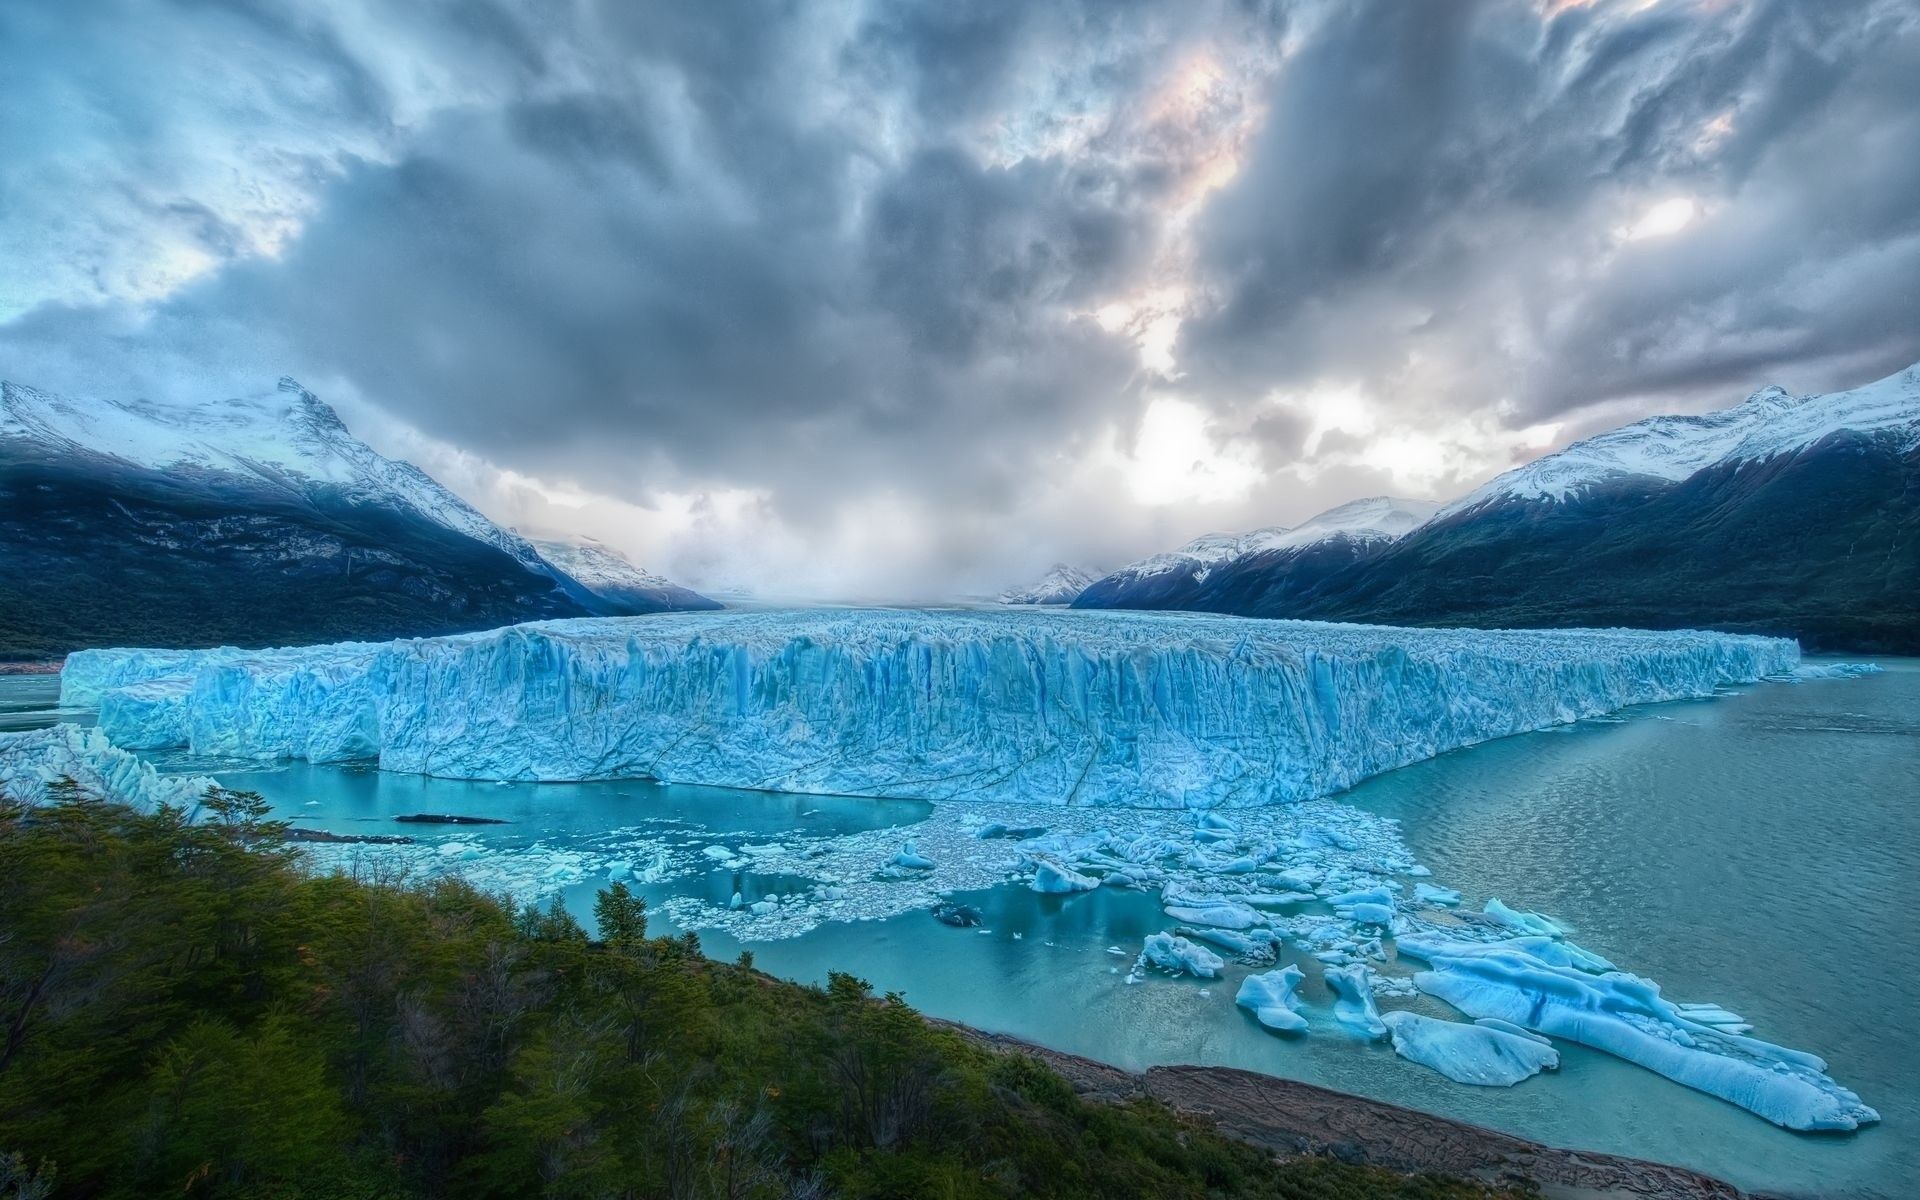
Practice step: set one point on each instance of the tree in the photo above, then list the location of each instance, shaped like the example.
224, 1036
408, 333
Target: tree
622, 917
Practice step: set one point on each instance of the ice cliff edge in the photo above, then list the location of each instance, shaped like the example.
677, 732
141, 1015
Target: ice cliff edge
1108, 708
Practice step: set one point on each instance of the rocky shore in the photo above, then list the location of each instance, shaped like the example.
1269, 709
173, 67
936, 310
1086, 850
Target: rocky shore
1290, 1119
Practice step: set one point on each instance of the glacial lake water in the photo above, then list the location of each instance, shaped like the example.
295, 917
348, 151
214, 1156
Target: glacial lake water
1760, 849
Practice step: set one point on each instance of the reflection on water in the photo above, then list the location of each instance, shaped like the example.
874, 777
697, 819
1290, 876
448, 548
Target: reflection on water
1760, 850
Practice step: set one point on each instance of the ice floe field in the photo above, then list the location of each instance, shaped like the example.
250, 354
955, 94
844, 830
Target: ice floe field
1134, 841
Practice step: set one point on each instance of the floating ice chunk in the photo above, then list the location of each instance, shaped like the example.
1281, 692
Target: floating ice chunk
463, 851
1169, 952
656, 870
1477, 1054
718, 853
1524, 922
1509, 1027
1273, 999
1057, 879
910, 858
1300, 879
1353, 1004
1716, 1016
1225, 915
32, 760
1832, 671
1427, 893
738, 902
1276, 899
1372, 895
1625, 1015
1260, 946
1368, 914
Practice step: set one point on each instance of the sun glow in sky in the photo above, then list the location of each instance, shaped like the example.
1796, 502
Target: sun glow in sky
1664, 219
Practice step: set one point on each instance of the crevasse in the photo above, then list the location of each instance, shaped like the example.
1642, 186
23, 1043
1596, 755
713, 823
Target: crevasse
1099, 708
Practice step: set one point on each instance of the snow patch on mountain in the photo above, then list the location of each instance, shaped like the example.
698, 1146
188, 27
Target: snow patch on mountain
1375, 518
1060, 585
1767, 424
287, 438
614, 577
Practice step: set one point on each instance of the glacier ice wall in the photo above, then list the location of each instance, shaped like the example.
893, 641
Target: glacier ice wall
1103, 708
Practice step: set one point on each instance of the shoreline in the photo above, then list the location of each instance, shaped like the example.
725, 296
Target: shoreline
31, 668
1293, 1119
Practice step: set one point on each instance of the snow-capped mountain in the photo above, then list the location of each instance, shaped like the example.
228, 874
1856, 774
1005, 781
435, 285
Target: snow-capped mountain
1781, 514
1769, 424
1201, 555
1328, 540
251, 520
1060, 585
612, 577
287, 439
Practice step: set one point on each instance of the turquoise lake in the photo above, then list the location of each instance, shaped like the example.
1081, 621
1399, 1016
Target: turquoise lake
1760, 849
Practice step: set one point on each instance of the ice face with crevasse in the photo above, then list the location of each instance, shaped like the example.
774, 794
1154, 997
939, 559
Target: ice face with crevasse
1322, 897
1135, 709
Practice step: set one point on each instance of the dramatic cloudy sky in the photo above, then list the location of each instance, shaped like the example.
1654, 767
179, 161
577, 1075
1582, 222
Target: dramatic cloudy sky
900, 298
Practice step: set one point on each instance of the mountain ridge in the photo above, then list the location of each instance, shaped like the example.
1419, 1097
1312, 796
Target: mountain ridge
250, 521
1795, 516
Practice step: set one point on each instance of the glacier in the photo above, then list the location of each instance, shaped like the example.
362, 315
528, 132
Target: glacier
1153, 710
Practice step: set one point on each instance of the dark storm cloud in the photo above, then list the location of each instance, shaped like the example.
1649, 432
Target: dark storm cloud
831, 252
1431, 174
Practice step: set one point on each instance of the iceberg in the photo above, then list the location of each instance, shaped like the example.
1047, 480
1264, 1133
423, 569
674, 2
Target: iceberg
1483, 1054
1353, 1004
1523, 922
34, 760
1273, 999
1152, 710
1845, 670
911, 859
1055, 879
1523, 982
1170, 952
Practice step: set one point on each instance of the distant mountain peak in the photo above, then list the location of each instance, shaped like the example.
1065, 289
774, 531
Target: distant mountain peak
1370, 519
615, 578
1062, 584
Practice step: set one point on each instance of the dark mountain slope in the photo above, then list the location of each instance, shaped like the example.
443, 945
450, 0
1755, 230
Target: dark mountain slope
95, 551
1822, 544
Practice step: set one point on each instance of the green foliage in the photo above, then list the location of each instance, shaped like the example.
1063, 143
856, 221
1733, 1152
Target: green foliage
186, 1012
